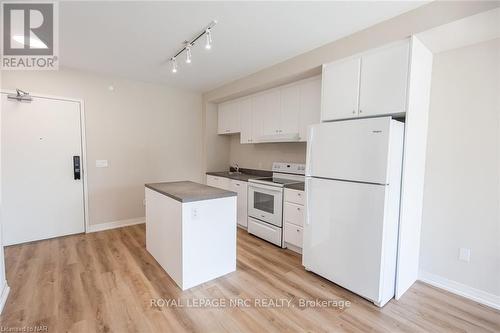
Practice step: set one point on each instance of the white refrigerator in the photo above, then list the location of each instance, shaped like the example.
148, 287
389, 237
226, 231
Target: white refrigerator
353, 182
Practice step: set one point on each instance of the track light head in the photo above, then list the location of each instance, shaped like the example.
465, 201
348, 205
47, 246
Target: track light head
208, 33
173, 64
188, 53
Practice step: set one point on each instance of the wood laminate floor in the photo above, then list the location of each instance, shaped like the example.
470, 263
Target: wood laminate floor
105, 281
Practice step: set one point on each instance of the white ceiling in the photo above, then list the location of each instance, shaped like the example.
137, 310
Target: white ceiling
135, 39
467, 31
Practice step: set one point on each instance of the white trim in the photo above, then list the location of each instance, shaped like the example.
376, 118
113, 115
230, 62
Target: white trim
115, 224
83, 145
85, 166
4, 295
460, 289
293, 248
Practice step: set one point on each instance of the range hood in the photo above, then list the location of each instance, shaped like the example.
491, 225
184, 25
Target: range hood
284, 137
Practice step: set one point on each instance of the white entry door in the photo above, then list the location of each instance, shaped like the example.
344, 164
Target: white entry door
42, 188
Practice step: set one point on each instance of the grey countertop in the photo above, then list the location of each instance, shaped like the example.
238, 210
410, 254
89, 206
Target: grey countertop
186, 191
242, 176
296, 186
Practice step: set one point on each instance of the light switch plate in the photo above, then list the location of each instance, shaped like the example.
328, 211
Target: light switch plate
464, 254
101, 163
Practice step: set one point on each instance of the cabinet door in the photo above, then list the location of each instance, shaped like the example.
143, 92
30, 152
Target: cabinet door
267, 107
242, 213
293, 214
310, 106
384, 81
223, 119
257, 119
246, 121
340, 89
234, 117
293, 234
290, 106
229, 118
213, 181
224, 183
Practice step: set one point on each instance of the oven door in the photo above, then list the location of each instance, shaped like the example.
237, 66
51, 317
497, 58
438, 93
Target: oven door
265, 203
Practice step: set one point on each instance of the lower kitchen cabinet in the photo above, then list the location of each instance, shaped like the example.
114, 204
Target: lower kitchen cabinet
293, 235
293, 219
240, 187
219, 182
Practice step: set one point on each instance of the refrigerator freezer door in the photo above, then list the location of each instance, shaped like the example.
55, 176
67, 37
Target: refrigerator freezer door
355, 150
343, 234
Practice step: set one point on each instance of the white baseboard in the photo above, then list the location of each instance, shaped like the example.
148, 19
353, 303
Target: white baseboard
293, 248
115, 224
4, 295
460, 289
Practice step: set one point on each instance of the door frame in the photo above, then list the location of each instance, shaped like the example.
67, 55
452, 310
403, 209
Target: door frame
83, 144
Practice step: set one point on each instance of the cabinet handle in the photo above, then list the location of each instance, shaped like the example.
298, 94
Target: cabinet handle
298, 208
298, 230
353, 111
237, 184
299, 194
360, 111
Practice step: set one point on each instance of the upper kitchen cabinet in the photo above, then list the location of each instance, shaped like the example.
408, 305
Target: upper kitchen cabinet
340, 94
280, 114
228, 118
290, 108
267, 107
310, 105
371, 84
246, 121
384, 81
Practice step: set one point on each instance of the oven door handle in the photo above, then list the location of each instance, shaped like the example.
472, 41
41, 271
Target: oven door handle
265, 188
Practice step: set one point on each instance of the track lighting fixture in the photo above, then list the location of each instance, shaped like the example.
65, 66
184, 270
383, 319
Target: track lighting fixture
207, 31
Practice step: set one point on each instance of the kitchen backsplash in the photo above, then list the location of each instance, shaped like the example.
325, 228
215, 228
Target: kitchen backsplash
261, 156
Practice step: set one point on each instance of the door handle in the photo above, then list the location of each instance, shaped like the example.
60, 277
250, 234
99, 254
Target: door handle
76, 167
308, 207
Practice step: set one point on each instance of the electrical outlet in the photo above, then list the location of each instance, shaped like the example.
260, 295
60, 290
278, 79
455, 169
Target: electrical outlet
101, 163
194, 213
464, 254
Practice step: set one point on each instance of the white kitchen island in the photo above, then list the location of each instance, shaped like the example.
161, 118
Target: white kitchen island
191, 231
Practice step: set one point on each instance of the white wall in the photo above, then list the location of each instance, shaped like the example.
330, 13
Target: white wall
147, 132
462, 185
216, 147
4, 288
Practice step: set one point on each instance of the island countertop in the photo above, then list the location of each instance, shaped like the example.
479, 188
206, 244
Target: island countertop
187, 191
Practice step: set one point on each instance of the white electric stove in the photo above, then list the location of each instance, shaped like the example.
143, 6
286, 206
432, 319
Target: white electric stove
265, 201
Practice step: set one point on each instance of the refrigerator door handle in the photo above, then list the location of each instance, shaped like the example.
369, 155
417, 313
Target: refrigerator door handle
307, 189
309, 150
